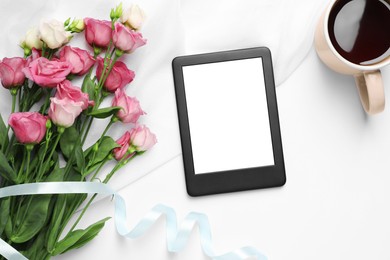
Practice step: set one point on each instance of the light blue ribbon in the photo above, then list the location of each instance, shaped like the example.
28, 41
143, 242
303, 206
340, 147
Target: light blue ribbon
176, 237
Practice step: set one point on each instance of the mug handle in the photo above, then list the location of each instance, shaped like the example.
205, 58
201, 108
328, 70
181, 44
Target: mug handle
371, 91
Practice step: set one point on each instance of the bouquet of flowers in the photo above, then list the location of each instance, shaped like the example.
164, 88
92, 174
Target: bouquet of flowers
51, 119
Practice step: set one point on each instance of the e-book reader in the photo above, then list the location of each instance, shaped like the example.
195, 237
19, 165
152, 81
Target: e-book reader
229, 122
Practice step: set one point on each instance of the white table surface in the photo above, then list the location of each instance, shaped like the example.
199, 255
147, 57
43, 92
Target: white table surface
335, 204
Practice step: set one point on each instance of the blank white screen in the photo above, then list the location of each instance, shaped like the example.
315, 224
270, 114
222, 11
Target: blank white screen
228, 115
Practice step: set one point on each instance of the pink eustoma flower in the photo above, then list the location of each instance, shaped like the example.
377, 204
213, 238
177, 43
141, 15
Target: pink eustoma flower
63, 112
130, 108
11, 72
29, 127
47, 73
125, 39
141, 138
119, 76
124, 142
81, 60
97, 32
66, 90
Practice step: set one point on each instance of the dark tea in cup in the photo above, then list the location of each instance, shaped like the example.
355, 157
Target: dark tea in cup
360, 30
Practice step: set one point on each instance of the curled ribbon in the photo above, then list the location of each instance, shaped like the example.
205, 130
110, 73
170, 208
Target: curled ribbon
176, 237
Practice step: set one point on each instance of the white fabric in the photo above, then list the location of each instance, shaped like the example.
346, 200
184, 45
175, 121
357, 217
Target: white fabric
174, 28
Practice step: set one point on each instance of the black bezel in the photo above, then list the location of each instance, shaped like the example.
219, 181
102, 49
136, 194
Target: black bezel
232, 180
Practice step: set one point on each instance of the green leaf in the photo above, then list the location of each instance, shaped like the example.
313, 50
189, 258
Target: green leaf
38, 94
56, 175
6, 170
106, 146
80, 161
55, 224
4, 213
68, 140
31, 96
104, 112
37, 249
8, 228
79, 237
3, 133
34, 219
89, 87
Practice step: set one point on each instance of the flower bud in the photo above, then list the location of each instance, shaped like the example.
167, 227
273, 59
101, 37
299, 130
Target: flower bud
26, 50
66, 23
48, 124
95, 147
124, 144
77, 25
116, 13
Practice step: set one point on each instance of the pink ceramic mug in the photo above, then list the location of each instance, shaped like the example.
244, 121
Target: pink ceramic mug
357, 34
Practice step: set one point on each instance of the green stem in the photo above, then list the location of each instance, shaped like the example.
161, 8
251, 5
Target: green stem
29, 148
50, 55
108, 72
100, 167
90, 120
47, 160
20, 96
43, 49
91, 200
112, 121
105, 60
122, 162
82, 212
119, 165
14, 93
42, 161
106, 69
100, 98
21, 169
47, 101
69, 164
60, 132
87, 130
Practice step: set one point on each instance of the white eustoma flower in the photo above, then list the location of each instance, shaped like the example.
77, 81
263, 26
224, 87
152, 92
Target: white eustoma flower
133, 17
32, 39
53, 33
